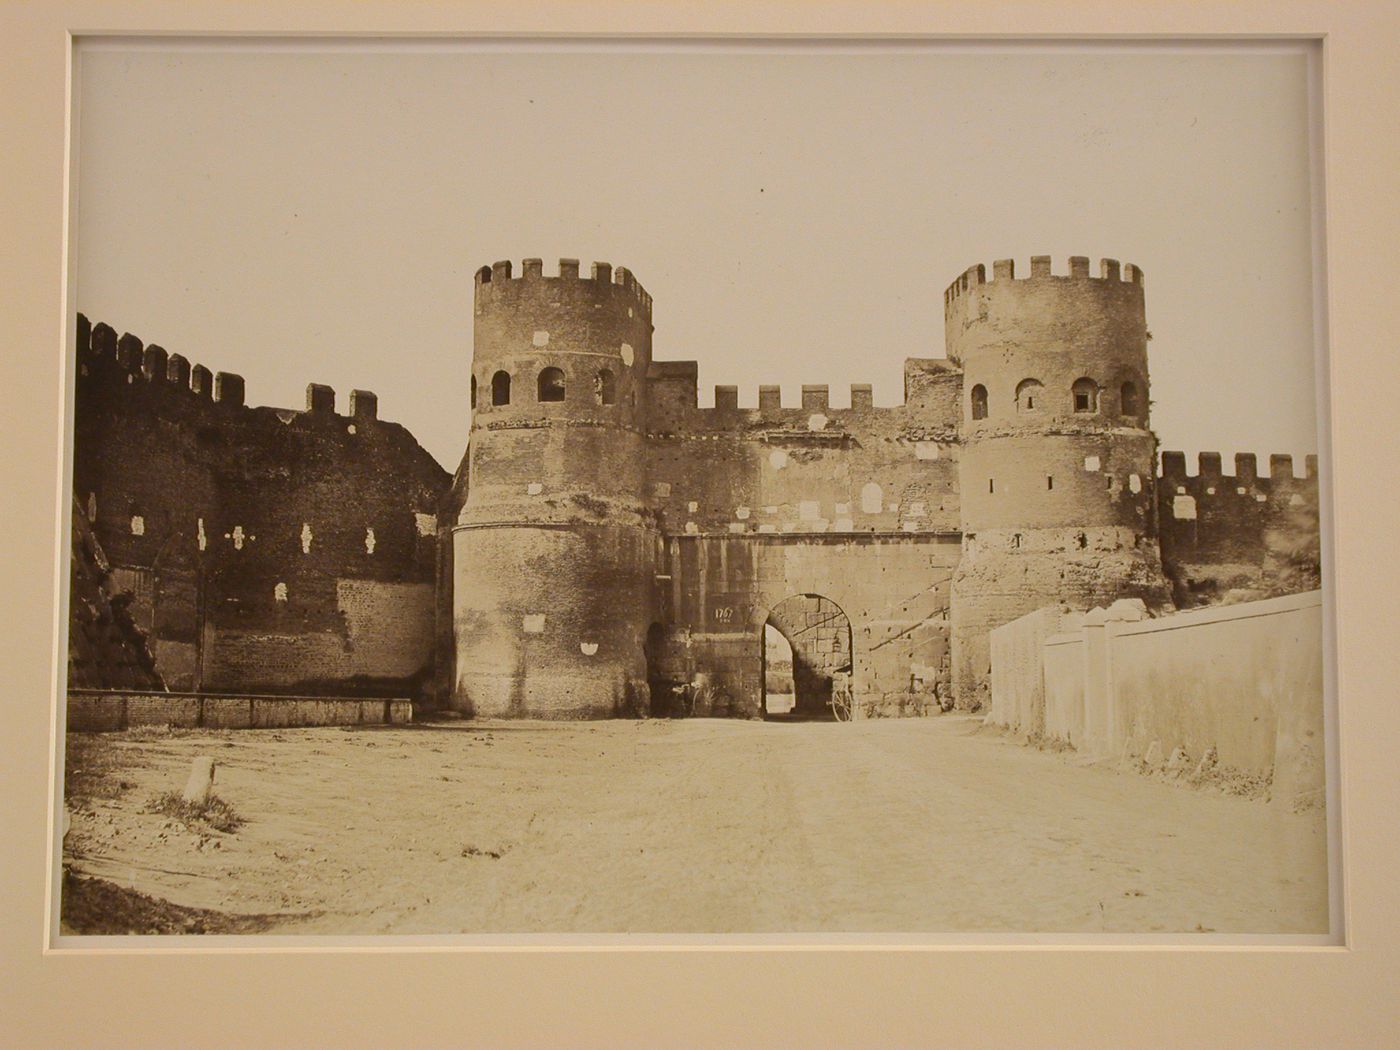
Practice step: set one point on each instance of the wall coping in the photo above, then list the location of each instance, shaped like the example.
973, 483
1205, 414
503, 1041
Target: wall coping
1194, 617
1222, 613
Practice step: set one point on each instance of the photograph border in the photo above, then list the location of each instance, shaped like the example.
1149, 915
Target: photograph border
1260, 995
1307, 47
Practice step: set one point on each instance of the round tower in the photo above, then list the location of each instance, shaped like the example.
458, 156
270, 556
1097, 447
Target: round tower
1057, 462
554, 551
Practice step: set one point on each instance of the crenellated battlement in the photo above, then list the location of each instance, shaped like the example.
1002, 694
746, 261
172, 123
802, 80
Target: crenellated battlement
1041, 269
1242, 533
674, 385
106, 359
601, 504
603, 275
813, 397
1210, 470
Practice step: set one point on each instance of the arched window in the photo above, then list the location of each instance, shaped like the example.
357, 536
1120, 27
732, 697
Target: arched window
473, 391
979, 402
1028, 395
605, 386
551, 384
500, 388
484, 274
1086, 395
1131, 405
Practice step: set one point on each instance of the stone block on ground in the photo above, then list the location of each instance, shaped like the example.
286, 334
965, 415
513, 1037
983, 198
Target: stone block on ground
200, 783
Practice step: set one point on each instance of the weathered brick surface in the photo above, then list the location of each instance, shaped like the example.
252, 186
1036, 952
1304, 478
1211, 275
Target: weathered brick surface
109, 711
266, 549
95, 713
994, 489
170, 709
1256, 536
555, 549
605, 540
892, 591
1057, 470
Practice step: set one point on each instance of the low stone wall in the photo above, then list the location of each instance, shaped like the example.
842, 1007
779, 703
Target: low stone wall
98, 711
1229, 691
1063, 687
1018, 687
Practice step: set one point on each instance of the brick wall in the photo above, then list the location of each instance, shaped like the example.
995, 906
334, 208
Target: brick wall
296, 548
1254, 536
893, 590
109, 711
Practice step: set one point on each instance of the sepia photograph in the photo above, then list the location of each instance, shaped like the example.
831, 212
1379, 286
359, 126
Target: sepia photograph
768, 491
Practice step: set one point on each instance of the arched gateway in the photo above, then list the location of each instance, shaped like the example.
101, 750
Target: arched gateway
806, 643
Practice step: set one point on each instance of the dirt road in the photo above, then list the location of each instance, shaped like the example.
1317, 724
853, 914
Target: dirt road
920, 825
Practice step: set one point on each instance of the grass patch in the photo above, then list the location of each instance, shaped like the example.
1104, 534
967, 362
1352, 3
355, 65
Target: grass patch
215, 813
154, 731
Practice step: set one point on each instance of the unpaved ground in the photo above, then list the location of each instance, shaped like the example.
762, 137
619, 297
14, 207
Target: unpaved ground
719, 826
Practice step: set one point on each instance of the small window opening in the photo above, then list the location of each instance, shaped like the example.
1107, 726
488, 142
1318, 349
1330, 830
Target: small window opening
605, 386
485, 274
1082, 540
473, 391
500, 388
1015, 540
1086, 395
551, 385
979, 402
1027, 391
991, 485
1130, 401
1049, 481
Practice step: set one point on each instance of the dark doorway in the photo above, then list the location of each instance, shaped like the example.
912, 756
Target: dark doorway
658, 684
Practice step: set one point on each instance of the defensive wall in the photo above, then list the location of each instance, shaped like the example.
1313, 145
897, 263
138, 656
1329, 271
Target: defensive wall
1241, 535
891, 598
1232, 693
265, 550
858, 505
606, 540
1058, 455
806, 468
106, 710
554, 547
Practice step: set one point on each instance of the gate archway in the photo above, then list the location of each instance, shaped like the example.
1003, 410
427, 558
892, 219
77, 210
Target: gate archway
818, 681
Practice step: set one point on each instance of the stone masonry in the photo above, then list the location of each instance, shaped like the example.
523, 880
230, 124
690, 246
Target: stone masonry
606, 544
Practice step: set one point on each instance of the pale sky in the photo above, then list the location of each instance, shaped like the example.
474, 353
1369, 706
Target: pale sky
299, 214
